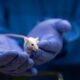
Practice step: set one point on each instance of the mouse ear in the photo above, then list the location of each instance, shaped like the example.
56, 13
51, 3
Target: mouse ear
37, 40
26, 40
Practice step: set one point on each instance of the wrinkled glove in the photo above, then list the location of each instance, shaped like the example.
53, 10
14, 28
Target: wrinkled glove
13, 60
50, 33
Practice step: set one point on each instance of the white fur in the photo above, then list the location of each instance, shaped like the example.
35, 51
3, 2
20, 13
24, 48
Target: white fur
31, 43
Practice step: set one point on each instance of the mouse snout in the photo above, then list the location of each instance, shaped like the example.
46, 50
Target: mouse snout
35, 48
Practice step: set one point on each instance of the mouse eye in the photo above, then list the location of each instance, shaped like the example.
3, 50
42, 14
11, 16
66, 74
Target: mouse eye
32, 44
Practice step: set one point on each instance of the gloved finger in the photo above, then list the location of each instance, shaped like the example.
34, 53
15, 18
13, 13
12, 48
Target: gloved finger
28, 72
60, 25
18, 63
51, 43
24, 66
41, 56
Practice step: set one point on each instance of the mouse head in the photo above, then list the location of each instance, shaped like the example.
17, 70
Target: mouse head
31, 43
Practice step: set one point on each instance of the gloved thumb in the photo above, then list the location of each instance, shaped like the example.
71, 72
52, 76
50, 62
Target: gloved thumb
62, 25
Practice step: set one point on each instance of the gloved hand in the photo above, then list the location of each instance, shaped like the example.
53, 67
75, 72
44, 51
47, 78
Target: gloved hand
13, 60
50, 33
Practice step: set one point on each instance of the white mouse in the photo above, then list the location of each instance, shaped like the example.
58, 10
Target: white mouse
30, 43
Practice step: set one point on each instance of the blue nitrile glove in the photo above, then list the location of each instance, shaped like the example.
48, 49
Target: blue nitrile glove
50, 33
13, 60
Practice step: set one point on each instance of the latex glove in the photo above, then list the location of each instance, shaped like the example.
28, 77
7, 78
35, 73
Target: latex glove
51, 39
13, 60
